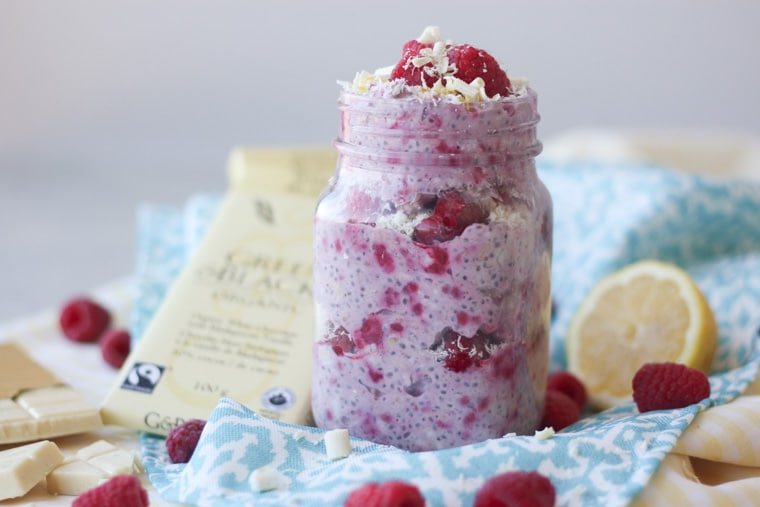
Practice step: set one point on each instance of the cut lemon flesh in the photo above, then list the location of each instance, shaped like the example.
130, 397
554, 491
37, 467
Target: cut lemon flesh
647, 312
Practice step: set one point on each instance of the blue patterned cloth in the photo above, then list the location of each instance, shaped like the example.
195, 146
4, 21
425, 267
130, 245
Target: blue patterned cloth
605, 217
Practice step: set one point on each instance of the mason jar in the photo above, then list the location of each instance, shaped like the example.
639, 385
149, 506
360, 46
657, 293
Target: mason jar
432, 255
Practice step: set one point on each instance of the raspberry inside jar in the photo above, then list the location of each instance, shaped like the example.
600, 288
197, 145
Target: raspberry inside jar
431, 270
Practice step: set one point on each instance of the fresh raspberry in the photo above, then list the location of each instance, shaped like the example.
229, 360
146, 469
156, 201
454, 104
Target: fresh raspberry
405, 70
516, 489
341, 342
472, 63
181, 442
387, 494
114, 347
451, 215
384, 258
121, 491
560, 411
458, 361
83, 320
439, 260
568, 384
371, 331
658, 386
462, 352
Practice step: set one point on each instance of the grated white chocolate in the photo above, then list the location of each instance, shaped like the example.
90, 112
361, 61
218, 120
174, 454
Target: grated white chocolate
436, 56
519, 83
362, 82
337, 444
544, 434
265, 478
401, 222
430, 35
384, 72
472, 92
516, 218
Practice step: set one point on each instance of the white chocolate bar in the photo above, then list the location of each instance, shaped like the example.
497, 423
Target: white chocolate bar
10, 412
114, 463
267, 187
96, 449
23, 467
47, 396
93, 465
74, 478
44, 413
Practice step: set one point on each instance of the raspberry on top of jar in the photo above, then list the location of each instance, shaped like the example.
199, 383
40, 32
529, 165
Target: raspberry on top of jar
430, 66
432, 255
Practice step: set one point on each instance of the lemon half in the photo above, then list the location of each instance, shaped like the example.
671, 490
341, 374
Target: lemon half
650, 311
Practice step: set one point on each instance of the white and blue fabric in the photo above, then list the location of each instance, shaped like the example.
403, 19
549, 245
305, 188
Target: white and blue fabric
605, 218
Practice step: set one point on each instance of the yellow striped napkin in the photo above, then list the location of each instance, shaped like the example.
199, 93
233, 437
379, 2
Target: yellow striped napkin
716, 461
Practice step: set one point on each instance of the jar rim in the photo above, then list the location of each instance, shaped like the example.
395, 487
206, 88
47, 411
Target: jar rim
395, 116
363, 99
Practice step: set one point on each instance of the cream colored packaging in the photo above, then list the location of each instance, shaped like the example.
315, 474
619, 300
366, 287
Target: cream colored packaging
238, 320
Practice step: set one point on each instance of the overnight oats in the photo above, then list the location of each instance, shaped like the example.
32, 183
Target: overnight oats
432, 255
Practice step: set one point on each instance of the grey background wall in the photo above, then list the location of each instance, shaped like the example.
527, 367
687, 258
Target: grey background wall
104, 104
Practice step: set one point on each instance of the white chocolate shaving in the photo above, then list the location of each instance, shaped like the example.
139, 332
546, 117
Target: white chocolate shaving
399, 221
384, 72
470, 92
430, 35
363, 81
435, 56
265, 478
337, 444
421, 61
519, 82
544, 434
439, 88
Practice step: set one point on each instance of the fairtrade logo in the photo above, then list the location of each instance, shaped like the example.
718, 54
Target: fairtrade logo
143, 377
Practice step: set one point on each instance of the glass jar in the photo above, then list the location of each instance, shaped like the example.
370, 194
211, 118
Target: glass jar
432, 271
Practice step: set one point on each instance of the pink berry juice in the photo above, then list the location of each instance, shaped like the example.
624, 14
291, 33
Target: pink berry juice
431, 270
